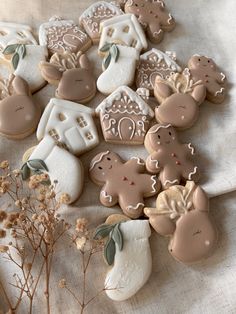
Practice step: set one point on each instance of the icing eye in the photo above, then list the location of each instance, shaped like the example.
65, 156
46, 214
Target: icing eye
108, 158
159, 136
170, 133
199, 59
208, 61
100, 168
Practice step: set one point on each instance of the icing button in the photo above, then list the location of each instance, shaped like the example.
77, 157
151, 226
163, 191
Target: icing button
131, 183
173, 155
178, 163
124, 179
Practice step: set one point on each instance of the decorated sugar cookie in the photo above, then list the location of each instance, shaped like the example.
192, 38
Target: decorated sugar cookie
69, 124
153, 16
124, 116
92, 17
125, 183
168, 156
183, 214
179, 98
155, 63
63, 35
127, 250
123, 29
19, 115
72, 74
204, 69
13, 33
23, 60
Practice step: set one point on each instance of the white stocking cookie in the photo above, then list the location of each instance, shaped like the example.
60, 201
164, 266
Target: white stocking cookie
124, 117
119, 68
183, 214
92, 17
63, 167
69, 123
19, 115
63, 35
128, 251
125, 30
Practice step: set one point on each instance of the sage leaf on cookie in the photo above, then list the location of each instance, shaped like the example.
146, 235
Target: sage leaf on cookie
106, 47
102, 231
15, 60
110, 251
22, 51
37, 164
10, 49
117, 236
25, 172
107, 61
115, 52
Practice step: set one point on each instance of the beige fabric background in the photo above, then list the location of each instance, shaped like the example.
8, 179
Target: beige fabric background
210, 287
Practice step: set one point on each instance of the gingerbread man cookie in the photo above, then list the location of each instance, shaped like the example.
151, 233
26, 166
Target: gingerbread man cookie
123, 183
204, 69
19, 115
153, 16
179, 98
72, 74
182, 212
169, 157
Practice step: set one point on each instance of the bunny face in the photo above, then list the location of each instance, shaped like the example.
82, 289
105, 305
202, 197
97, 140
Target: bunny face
18, 113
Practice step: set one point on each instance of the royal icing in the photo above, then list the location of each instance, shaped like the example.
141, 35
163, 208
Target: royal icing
124, 116
123, 183
168, 156
69, 123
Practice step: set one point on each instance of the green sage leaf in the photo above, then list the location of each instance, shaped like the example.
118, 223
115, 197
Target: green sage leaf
15, 60
25, 172
117, 236
10, 49
106, 47
21, 51
110, 251
115, 52
107, 61
103, 231
37, 164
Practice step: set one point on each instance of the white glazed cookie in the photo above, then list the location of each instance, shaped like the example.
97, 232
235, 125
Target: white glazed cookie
27, 65
155, 63
92, 17
124, 117
119, 69
63, 167
123, 29
70, 124
63, 35
12, 33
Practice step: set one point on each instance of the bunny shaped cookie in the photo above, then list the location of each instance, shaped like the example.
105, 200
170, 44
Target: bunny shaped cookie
183, 214
72, 74
19, 115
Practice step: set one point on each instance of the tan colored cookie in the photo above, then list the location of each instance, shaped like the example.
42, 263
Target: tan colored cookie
116, 218
168, 156
72, 74
92, 17
19, 115
28, 153
179, 98
125, 183
183, 214
204, 69
153, 16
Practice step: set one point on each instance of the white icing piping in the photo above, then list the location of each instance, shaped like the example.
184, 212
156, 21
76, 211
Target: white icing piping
221, 91
223, 76
153, 178
171, 182
155, 161
170, 18
98, 160
135, 207
159, 127
139, 162
192, 173
109, 197
191, 148
88, 13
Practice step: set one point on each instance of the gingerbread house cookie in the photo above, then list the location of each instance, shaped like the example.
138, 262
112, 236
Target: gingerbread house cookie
124, 117
123, 29
63, 35
70, 124
92, 17
155, 63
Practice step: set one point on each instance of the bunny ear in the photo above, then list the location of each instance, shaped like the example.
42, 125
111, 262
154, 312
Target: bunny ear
84, 62
200, 199
20, 86
162, 90
162, 224
50, 72
199, 93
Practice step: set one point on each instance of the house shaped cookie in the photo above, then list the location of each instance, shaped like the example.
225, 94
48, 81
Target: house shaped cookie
92, 17
124, 117
70, 124
63, 35
123, 29
155, 63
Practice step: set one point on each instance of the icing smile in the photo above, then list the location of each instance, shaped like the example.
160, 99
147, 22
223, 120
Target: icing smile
19, 108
